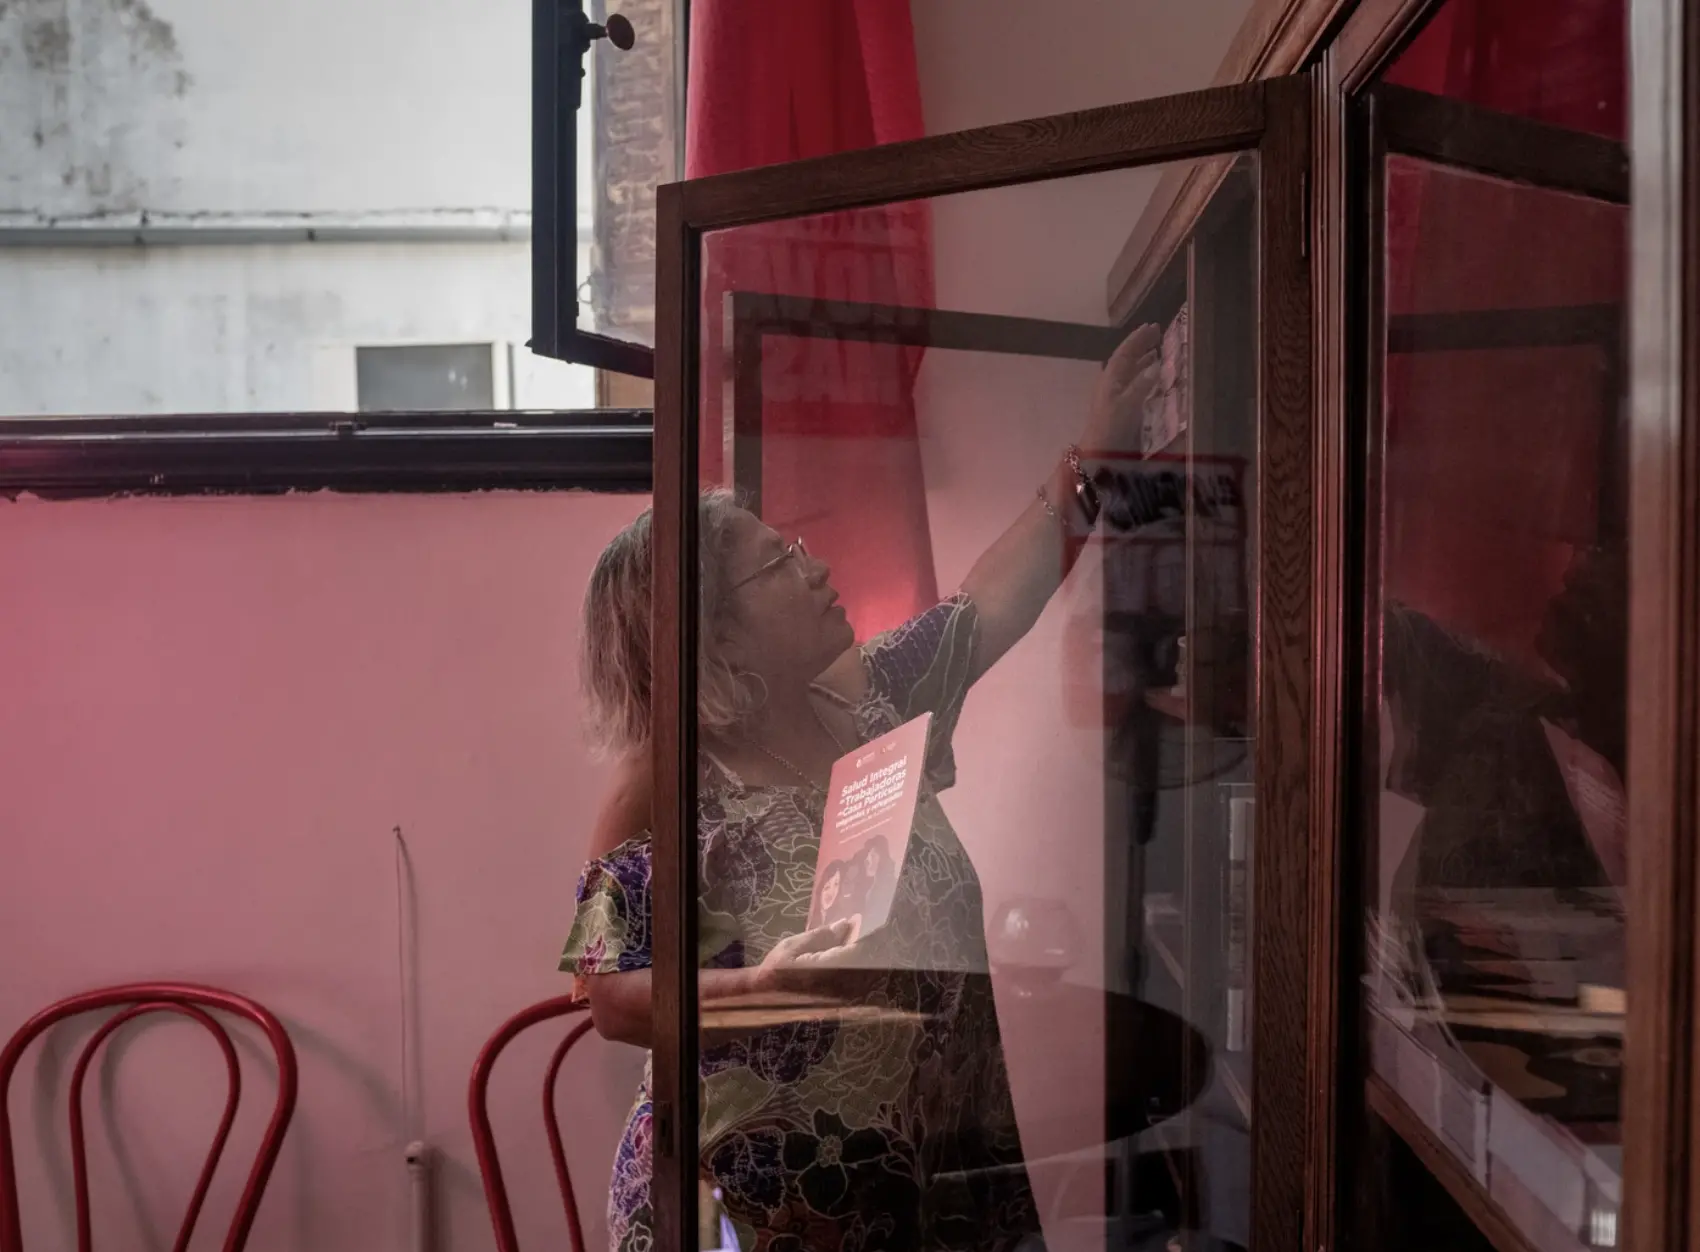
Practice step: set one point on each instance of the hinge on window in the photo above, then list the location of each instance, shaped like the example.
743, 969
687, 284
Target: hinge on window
1304, 217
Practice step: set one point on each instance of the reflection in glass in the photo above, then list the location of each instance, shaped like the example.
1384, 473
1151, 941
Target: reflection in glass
972, 594
1496, 918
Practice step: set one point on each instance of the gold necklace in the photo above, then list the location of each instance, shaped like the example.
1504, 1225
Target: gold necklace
773, 756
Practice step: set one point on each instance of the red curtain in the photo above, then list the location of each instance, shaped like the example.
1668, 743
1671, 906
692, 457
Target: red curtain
1562, 64
779, 80
1493, 475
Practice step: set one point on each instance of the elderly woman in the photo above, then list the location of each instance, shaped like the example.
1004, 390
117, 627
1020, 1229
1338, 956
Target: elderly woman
890, 1129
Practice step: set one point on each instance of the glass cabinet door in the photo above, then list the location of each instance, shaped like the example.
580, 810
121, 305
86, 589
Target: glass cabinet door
1496, 631
980, 862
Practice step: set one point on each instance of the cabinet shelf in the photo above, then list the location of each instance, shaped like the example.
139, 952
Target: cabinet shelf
1466, 1192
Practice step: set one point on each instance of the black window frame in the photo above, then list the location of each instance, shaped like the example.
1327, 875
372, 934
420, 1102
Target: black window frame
561, 35
607, 450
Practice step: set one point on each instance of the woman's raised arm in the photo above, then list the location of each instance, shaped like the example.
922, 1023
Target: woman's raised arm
1015, 578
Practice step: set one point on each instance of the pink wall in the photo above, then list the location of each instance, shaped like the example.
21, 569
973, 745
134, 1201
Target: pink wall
1030, 801
217, 711
214, 713
993, 426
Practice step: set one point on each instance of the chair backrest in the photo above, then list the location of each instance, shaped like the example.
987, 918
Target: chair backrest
484, 1140
133, 1001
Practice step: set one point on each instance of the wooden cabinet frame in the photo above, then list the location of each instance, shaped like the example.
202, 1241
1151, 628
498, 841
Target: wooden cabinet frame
1453, 136
1358, 122
1662, 1061
1272, 118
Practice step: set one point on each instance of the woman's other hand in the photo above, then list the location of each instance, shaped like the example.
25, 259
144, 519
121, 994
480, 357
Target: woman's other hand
1128, 379
796, 961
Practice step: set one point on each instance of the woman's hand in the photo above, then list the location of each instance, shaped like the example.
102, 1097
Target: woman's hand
1129, 377
1017, 575
796, 962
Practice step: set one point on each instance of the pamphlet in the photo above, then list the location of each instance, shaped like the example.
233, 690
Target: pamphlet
865, 836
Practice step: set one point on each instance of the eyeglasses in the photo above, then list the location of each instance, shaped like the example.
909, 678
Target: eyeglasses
793, 551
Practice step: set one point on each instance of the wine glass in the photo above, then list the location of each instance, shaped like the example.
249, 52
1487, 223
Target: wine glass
1033, 941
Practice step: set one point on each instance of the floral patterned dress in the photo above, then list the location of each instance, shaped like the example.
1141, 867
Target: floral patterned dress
879, 1135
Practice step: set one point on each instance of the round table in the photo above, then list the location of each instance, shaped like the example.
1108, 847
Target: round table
1087, 1066
1090, 1066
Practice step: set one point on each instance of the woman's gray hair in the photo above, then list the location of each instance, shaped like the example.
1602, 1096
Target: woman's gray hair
615, 663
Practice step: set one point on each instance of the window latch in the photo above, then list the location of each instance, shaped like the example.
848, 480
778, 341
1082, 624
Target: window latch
578, 32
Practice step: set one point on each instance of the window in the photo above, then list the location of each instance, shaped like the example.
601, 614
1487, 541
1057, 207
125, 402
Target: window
433, 377
635, 142
195, 225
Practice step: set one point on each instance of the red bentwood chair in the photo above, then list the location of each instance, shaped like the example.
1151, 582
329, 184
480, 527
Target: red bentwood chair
484, 1140
133, 1001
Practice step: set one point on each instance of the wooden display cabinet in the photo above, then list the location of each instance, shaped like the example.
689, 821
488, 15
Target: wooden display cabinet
1244, 791
1530, 1184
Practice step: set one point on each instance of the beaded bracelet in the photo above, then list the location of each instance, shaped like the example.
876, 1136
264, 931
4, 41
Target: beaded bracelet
1085, 490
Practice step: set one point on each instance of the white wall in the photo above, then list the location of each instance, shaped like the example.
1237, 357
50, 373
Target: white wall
986, 61
252, 328
198, 106
215, 713
208, 115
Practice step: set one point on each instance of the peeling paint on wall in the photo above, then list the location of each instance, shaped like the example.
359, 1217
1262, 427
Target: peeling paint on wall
232, 106
149, 31
98, 86
47, 44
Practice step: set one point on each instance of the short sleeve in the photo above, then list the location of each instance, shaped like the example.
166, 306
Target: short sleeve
926, 666
611, 929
